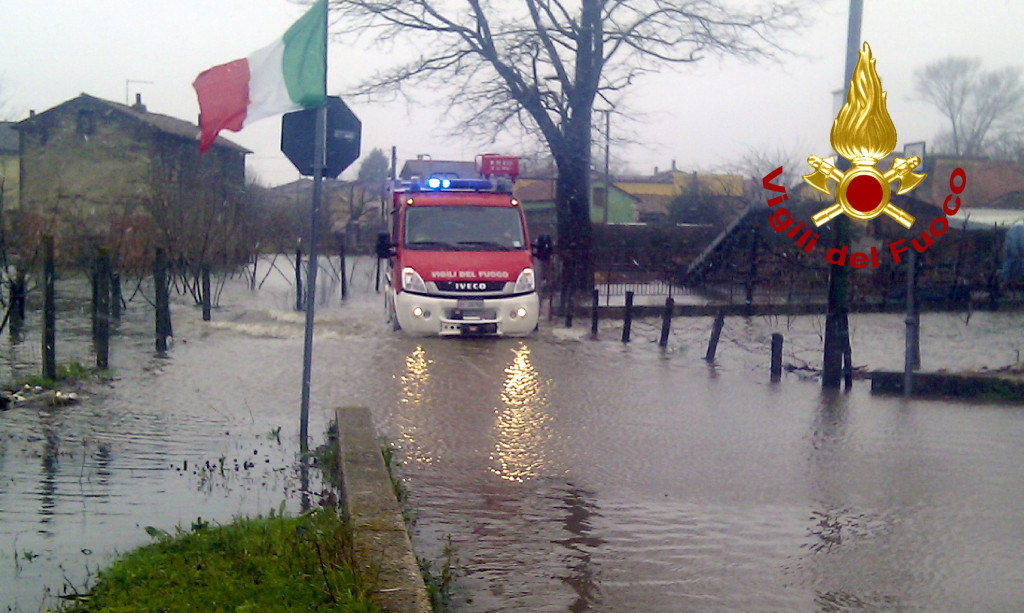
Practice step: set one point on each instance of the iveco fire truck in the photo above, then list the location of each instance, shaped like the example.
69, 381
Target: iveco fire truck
460, 262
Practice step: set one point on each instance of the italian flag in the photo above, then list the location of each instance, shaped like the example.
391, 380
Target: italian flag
285, 76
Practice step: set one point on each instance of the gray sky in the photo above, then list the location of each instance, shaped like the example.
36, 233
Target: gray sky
702, 116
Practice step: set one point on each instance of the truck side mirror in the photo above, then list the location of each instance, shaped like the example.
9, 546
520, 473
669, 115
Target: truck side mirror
384, 247
543, 247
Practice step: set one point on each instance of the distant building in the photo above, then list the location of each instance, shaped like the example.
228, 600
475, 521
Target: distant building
96, 171
538, 199
656, 192
10, 166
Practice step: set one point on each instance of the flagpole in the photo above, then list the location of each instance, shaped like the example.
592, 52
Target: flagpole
319, 161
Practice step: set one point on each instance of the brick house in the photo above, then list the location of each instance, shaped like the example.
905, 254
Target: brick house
99, 173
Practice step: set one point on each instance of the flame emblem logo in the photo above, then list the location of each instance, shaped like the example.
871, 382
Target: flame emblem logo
864, 133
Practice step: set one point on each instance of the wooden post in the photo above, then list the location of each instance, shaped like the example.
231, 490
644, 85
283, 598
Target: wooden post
115, 295
911, 323
666, 322
207, 297
716, 333
94, 306
627, 323
844, 336
163, 302
298, 279
16, 285
255, 262
376, 285
102, 340
344, 275
49, 312
776, 357
593, 311
571, 306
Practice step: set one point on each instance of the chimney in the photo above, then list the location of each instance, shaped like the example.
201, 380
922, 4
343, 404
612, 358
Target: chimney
138, 106
673, 165
655, 170
32, 113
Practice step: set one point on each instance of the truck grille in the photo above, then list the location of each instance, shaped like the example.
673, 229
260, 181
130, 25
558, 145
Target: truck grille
470, 286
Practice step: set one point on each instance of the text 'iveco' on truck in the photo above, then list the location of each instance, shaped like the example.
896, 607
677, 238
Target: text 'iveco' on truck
460, 261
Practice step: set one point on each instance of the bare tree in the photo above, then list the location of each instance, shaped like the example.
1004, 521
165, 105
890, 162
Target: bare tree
540, 65
980, 105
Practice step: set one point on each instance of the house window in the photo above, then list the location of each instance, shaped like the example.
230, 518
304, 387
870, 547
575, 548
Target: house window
86, 123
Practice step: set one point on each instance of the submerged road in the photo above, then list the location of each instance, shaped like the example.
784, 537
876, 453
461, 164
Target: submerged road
570, 473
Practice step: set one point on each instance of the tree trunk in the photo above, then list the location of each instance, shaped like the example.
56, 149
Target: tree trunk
572, 198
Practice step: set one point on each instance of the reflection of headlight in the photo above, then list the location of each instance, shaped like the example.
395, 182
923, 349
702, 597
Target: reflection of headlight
412, 281
525, 282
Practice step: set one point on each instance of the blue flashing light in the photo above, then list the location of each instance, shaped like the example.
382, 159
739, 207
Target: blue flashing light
438, 183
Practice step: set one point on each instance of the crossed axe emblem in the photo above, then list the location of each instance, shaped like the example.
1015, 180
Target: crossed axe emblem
863, 192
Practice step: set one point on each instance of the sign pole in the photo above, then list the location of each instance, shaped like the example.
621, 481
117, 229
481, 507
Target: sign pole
312, 265
319, 161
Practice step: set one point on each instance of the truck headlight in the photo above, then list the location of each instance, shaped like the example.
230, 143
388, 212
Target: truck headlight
412, 281
525, 282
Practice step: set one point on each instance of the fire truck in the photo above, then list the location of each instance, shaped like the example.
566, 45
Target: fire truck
459, 258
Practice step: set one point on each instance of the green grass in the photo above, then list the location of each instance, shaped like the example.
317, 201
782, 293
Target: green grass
72, 372
276, 563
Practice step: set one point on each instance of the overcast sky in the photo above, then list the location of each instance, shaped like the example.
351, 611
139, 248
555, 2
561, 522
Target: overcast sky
702, 116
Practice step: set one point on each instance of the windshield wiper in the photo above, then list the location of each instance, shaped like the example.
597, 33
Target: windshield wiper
439, 245
489, 245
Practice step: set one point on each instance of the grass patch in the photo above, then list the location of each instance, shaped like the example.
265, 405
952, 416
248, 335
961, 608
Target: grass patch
275, 563
72, 372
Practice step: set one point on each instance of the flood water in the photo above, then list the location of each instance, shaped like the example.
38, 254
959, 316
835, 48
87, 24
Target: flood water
571, 474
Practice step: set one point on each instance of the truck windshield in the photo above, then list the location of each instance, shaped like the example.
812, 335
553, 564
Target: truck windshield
464, 228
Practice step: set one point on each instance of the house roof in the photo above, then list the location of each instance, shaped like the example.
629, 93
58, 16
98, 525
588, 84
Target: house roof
427, 168
162, 123
8, 137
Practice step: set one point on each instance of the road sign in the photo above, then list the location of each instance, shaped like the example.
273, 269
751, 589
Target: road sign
343, 135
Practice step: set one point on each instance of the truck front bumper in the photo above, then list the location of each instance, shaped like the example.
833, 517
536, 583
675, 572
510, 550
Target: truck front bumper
492, 316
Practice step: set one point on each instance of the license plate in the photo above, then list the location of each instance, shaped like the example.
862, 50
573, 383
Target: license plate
469, 304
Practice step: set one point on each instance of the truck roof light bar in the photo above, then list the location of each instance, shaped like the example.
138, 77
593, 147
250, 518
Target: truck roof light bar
445, 184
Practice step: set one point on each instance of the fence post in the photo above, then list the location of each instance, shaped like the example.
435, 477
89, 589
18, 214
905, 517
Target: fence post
593, 311
716, 332
102, 338
911, 323
115, 295
207, 297
776, 357
627, 323
49, 312
666, 322
344, 275
163, 304
298, 279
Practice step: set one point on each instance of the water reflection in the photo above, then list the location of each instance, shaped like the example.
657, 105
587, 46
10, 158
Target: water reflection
48, 481
415, 380
579, 523
519, 428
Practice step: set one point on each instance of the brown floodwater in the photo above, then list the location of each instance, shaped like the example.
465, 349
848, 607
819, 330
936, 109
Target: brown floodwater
572, 474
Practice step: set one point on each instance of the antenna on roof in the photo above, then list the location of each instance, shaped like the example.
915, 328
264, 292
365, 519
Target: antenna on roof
127, 83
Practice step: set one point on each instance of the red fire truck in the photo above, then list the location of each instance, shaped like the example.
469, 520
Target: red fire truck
460, 262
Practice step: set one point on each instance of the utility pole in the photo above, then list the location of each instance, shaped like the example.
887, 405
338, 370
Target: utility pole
837, 331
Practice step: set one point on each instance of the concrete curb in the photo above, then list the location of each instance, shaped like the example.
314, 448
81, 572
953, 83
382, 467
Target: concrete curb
382, 546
